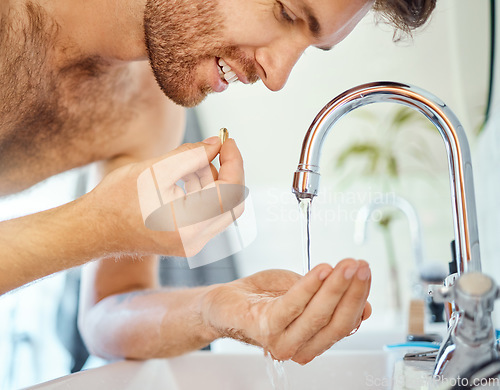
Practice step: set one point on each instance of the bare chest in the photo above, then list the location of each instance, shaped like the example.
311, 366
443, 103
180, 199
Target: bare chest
60, 109
55, 119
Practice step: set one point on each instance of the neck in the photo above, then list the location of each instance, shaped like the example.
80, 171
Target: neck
106, 28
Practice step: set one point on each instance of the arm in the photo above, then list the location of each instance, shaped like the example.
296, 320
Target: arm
290, 316
43, 243
129, 316
123, 313
105, 222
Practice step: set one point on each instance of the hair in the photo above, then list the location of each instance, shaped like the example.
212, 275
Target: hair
404, 15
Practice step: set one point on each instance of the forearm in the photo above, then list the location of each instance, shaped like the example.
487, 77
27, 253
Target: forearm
148, 324
40, 244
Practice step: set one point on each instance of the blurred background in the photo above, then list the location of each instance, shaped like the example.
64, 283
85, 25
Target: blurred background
374, 155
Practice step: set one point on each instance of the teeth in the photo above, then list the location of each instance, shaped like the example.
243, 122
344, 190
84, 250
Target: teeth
226, 72
229, 75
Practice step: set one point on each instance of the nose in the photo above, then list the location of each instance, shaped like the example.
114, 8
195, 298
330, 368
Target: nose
277, 62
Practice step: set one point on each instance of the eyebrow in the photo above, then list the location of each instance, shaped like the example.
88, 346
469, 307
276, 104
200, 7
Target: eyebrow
312, 22
314, 26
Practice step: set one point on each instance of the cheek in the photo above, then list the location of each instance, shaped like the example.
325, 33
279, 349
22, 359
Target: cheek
250, 23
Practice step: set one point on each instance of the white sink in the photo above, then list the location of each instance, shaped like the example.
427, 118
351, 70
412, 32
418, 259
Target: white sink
233, 371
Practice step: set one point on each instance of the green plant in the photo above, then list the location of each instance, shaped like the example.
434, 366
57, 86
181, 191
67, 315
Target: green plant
379, 154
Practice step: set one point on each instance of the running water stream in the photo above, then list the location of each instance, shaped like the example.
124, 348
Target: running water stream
276, 372
275, 368
305, 218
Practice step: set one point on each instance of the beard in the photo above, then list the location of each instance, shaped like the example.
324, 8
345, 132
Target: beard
180, 36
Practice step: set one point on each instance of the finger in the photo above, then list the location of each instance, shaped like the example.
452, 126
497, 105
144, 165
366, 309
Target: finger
322, 306
291, 305
367, 312
208, 175
215, 172
200, 179
231, 164
345, 318
186, 159
174, 192
192, 183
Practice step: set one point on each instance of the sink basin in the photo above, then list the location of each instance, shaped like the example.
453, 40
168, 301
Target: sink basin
233, 371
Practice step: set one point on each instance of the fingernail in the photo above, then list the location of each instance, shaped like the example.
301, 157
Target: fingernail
212, 140
350, 271
364, 273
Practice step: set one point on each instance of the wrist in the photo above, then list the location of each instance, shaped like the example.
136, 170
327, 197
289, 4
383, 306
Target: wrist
210, 300
107, 222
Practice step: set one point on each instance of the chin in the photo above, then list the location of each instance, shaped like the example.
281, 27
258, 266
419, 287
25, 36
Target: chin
187, 101
182, 97
186, 98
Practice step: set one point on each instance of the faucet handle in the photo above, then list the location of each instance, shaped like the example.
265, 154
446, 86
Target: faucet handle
445, 292
469, 290
441, 294
474, 293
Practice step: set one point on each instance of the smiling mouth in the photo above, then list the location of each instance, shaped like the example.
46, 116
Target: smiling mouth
225, 71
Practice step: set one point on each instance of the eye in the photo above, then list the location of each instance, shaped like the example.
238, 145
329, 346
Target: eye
285, 14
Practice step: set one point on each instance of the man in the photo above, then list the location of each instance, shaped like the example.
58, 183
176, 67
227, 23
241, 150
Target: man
75, 87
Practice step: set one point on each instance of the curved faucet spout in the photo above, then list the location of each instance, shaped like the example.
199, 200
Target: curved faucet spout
306, 178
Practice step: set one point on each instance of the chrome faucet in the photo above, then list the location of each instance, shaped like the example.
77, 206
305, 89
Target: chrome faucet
306, 178
306, 185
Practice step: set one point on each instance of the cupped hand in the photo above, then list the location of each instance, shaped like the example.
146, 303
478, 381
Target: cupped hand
290, 316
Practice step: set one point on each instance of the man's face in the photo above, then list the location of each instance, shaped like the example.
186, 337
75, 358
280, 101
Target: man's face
199, 46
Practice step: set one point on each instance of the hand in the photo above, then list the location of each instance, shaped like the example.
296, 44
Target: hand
290, 316
130, 194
